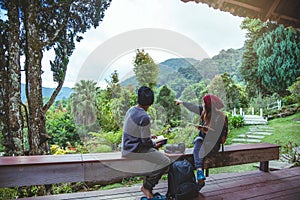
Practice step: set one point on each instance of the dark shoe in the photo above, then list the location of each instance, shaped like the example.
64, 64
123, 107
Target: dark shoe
201, 184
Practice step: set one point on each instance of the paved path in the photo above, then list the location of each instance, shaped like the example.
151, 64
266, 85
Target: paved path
254, 120
255, 135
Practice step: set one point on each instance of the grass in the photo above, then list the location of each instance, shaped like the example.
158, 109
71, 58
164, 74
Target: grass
286, 130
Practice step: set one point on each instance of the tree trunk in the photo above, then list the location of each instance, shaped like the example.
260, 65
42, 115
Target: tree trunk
14, 106
37, 119
11, 118
4, 97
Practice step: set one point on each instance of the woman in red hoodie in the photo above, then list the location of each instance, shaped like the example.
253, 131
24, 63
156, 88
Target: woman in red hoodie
212, 132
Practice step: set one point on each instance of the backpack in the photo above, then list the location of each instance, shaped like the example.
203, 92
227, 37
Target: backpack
224, 133
182, 183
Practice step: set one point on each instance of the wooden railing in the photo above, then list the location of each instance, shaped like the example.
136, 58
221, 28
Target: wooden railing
105, 167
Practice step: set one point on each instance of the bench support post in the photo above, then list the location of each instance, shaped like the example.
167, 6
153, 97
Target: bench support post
206, 172
264, 166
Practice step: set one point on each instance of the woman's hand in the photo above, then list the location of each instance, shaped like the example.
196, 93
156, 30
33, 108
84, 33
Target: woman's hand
204, 129
178, 102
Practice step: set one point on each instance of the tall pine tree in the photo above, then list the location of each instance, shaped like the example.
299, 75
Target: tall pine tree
34, 27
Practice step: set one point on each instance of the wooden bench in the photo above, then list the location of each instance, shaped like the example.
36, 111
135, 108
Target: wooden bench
50, 169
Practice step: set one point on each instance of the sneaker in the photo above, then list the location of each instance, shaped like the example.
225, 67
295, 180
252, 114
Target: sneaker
200, 175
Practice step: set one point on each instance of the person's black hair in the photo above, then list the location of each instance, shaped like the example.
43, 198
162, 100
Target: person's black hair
145, 96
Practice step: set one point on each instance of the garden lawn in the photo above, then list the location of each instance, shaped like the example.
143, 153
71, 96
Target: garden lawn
286, 130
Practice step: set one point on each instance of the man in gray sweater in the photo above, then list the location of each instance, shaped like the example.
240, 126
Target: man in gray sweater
137, 141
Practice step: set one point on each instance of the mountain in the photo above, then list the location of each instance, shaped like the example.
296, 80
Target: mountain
64, 93
227, 61
178, 73
165, 68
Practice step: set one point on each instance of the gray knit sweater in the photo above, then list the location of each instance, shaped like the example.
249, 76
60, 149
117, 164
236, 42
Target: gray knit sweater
136, 131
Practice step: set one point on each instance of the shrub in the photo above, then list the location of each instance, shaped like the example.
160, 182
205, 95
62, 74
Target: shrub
62, 129
291, 153
235, 121
295, 90
8, 193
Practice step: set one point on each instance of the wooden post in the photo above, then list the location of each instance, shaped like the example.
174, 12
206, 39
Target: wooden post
264, 166
279, 104
206, 172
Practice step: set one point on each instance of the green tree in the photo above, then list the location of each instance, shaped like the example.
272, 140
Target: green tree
279, 58
84, 105
113, 103
119, 106
249, 67
231, 94
33, 27
106, 119
145, 69
166, 99
271, 57
61, 127
194, 93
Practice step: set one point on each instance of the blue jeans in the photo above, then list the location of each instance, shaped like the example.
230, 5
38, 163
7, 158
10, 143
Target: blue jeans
202, 149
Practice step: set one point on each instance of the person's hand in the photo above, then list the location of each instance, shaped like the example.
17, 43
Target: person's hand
178, 102
159, 144
204, 129
153, 136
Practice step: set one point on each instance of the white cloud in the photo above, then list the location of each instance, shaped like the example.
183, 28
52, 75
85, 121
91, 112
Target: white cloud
211, 29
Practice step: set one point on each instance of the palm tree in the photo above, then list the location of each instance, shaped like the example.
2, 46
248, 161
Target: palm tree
84, 104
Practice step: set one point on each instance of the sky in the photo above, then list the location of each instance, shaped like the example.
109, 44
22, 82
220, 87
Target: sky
196, 24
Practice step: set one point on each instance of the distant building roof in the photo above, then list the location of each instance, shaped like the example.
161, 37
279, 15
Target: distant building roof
286, 12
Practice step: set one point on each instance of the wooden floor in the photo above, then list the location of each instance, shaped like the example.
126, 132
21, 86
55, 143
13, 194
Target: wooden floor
282, 184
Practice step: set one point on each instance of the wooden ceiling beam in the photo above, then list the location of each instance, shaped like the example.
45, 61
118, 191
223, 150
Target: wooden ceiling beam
250, 7
278, 16
264, 10
220, 3
272, 8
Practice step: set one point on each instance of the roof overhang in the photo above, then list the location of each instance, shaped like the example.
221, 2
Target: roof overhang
286, 12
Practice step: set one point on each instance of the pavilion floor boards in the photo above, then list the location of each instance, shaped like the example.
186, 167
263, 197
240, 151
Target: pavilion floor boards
254, 185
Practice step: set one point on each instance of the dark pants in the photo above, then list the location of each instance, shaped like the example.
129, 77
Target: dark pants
154, 164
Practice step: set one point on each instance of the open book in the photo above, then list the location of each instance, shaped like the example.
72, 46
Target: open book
160, 138
201, 126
